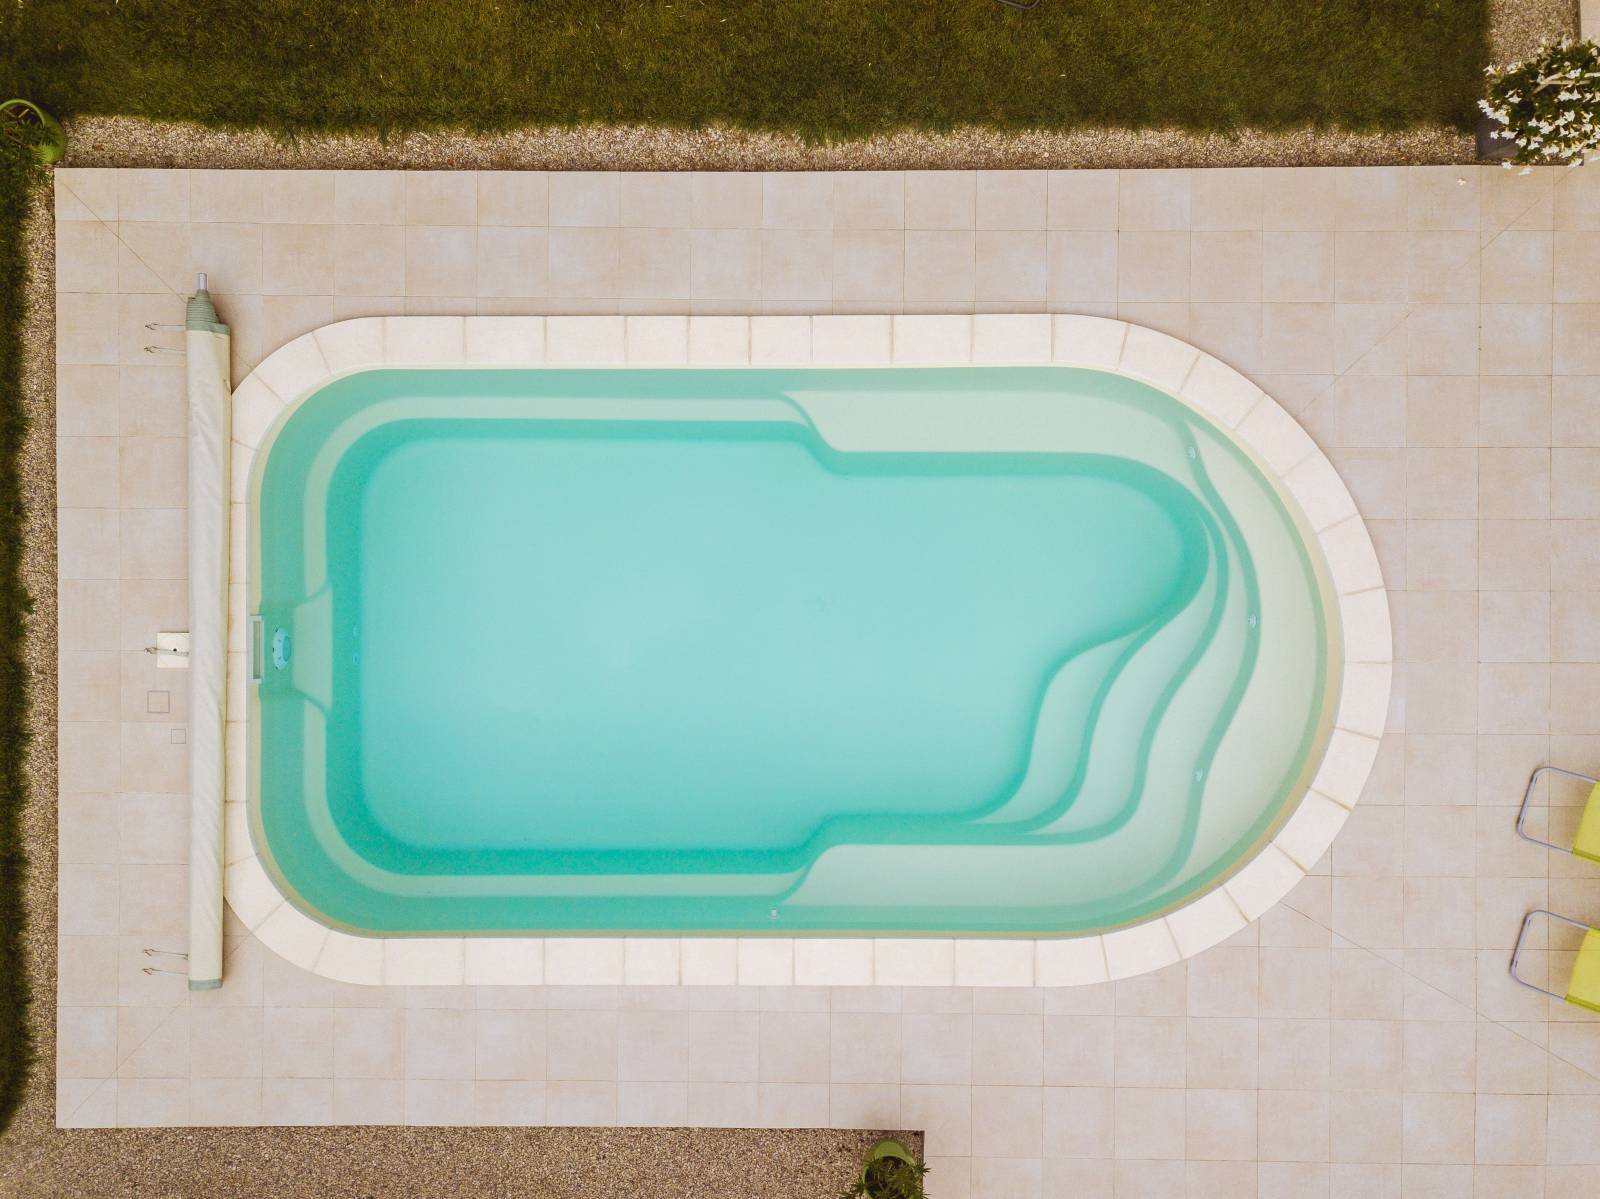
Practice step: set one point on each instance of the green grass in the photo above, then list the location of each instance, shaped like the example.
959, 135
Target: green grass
820, 68
16, 1049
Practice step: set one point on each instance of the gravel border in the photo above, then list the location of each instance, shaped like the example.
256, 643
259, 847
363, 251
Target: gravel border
133, 141
1519, 27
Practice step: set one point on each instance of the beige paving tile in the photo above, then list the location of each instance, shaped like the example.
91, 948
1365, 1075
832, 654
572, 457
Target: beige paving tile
1225, 266
1577, 263
796, 200
226, 195
1442, 411
1368, 198
1010, 266
648, 200
1231, 332
369, 198
1010, 199
230, 255
153, 257
726, 264
868, 268
651, 263
1515, 554
297, 1042
514, 261
152, 195
1153, 199
1442, 197
1297, 266
1297, 200
153, 473
443, 198
1515, 339
88, 692
86, 401
1576, 349
796, 264
296, 197
1517, 268
1082, 267
1369, 266
441, 260
1086, 199
370, 260
1514, 483
725, 200
298, 259
1226, 199
86, 193
1371, 339
368, 1102
87, 251
941, 199
1297, 338
1443, 268
152, 544
1442, 339
941, 265
1515, 411
1152, 266
1511, 200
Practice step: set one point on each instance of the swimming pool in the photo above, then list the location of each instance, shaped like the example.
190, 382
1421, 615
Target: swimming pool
980, 650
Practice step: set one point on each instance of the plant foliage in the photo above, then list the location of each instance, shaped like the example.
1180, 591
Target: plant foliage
1549, 104
19, 169
889, 1178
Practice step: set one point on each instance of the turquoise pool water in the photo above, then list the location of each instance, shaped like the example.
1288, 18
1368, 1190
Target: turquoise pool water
959, 650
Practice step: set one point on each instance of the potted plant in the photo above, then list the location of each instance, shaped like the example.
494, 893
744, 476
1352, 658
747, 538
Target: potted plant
1548, 106
889, 1171
25, 122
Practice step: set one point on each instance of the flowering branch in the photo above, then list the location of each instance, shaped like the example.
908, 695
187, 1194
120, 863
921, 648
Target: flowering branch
1545, 125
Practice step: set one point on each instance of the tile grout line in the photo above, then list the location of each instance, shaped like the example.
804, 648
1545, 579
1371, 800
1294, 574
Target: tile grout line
183, 1004
116, 234
1473, 1007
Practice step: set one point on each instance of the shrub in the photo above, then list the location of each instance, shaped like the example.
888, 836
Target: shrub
1549, 104
889, 1178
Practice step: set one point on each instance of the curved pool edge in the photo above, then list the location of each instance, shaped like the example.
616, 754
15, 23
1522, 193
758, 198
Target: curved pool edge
1285, 452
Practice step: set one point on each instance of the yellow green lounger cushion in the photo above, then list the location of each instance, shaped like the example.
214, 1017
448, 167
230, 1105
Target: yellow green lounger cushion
1584, 987
1587, 844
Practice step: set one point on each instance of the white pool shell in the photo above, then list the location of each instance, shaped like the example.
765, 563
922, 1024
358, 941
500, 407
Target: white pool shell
1285, 451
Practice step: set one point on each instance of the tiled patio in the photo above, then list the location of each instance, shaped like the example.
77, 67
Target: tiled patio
1436, 329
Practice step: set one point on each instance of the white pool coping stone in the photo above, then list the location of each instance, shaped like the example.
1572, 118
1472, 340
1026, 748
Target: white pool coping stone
1216, 390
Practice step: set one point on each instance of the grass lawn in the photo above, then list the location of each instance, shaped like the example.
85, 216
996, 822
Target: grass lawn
15, 1048
818, 67
821, 68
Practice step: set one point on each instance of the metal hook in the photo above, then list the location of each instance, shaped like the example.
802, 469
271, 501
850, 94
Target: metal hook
164, 953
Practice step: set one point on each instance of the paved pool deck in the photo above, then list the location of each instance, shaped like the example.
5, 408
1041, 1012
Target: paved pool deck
1436, 329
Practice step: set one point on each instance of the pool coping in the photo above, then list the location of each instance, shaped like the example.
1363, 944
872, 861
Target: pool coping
1282, 447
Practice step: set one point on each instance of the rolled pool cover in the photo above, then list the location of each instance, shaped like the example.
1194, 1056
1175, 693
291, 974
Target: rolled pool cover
210, 395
